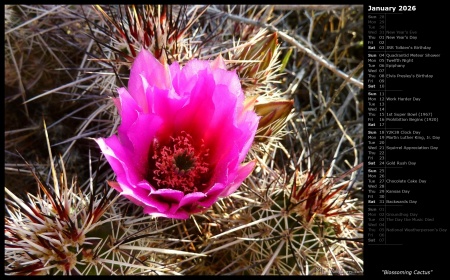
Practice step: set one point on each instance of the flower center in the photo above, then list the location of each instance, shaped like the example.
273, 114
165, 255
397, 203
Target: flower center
178, 165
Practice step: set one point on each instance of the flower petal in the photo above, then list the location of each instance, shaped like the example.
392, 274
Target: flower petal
147, 71
165, 104
218, 63
195, 116
141, 135
212, 195
182, 215
222, 129
191, 198
128, 110
231, 80
119, 159
242, 173
248, 126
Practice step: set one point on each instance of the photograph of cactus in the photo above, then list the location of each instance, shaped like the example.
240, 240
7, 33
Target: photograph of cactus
184, 140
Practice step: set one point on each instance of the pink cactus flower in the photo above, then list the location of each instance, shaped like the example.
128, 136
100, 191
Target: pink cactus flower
183, 136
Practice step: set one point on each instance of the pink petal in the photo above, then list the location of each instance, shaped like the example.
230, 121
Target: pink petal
248, 126
133, 199
231, 80
177, 215
145, 186
128, 110
117, 101
191, 198
147, 70
186, 79
212, 195
165, 104
168, 195
174, 69
218, 63
226, 165
115, 185
242, 173
152, 211
194, 117
119, 159
222, 128
164, 200
141, 135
